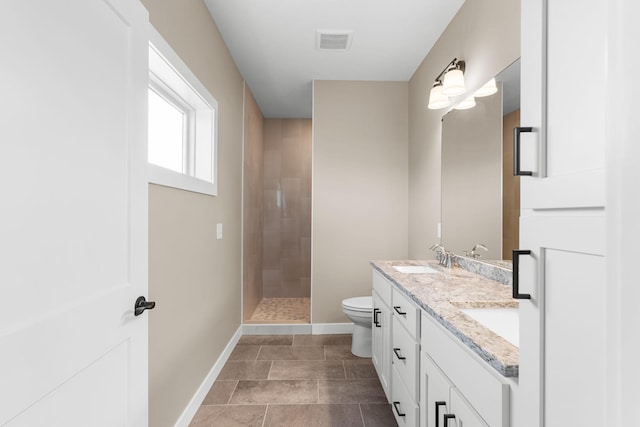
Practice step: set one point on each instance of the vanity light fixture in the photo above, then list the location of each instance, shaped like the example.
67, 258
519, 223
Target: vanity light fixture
437, 99
489, 88
469, 102
453, 84
450, 82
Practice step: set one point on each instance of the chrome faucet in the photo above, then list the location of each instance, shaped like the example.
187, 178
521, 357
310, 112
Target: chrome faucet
474, 254
443, 256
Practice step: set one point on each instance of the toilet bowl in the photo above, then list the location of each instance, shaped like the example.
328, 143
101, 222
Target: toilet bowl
358, 310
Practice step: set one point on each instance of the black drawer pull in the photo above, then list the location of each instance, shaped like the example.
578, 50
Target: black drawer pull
395, 406
397, 352
397, 309
439, 403
516, 273
376, 322
448, 417
516, 151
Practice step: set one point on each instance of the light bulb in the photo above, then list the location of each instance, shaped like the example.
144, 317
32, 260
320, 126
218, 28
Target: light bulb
437, 99
454, 83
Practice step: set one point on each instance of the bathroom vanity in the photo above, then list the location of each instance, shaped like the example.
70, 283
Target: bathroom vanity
445, 343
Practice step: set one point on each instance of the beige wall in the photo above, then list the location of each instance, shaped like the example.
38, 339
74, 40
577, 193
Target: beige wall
287, 208
359, 188
486, 34
472, 177
253, 205
194, 278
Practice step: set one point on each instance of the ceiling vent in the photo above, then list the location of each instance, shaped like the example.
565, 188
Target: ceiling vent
334, 40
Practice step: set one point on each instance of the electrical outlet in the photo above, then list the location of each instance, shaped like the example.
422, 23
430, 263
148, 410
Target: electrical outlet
219, 231
439, 230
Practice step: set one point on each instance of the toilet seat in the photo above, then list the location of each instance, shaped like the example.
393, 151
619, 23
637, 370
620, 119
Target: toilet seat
360, 304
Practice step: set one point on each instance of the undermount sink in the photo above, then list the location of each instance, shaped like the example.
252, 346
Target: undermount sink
414, 269
503, 321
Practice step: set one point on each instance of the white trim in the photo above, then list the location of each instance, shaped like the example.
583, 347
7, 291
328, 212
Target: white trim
331, 328
242, 207
292, 329
168, 178
203, 113
190, 411
282, 329
296, 328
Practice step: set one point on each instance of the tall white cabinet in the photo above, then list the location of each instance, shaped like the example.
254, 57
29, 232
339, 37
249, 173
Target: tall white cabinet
563, 366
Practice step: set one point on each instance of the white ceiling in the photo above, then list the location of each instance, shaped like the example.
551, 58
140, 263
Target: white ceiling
273, 42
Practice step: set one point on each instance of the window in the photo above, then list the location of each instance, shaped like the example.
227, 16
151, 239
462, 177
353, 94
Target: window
182, 149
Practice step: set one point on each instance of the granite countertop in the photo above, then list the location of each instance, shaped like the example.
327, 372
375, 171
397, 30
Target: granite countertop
442, 296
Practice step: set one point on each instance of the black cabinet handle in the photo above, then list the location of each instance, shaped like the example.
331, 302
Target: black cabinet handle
141, 305
516, 273
397, 352
397, 309
439, 403
448, 417
516, 151
395, 406
376, 322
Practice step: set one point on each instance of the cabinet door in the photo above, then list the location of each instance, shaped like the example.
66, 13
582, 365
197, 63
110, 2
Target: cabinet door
381, 342
434, 393
562, 325
465, 415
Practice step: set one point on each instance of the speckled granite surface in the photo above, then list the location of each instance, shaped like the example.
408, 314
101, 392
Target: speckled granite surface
442, 295
496, 270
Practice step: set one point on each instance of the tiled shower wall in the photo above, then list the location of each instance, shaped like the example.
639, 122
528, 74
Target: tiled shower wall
287, 208
253, 205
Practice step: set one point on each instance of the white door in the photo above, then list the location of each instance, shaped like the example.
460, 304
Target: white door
562, 326
73, 216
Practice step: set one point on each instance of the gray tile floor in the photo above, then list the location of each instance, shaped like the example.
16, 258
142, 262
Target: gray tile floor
295, 380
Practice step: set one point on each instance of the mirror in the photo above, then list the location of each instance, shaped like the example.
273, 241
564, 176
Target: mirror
480, 195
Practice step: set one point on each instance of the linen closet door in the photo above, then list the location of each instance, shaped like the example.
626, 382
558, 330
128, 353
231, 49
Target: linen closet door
562, 223
73, 222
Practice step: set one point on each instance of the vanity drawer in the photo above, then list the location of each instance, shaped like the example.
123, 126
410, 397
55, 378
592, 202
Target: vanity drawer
382, 287
403, 406
406, 357
407, 313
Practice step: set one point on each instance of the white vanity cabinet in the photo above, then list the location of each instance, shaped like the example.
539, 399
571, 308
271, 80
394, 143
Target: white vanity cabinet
381, 327
425, 369
396, 349
442, 400
405, 340
462, 384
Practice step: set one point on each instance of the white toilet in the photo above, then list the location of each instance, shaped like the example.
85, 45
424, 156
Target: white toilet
358, 310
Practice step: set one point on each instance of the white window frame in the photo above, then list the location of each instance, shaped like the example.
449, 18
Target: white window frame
170, 77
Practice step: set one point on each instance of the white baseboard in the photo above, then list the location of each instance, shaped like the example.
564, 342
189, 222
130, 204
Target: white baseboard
191, 409
331, 328
293, 329
282, 329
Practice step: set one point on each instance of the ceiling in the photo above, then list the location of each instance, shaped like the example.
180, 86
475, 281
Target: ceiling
273, 42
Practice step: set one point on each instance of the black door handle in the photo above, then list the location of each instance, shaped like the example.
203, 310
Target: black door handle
516, 273
516, 151
439, 403
448, 417
141, 305
395, 406
397, 309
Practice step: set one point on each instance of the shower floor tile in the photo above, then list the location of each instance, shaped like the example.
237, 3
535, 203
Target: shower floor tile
282, 310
